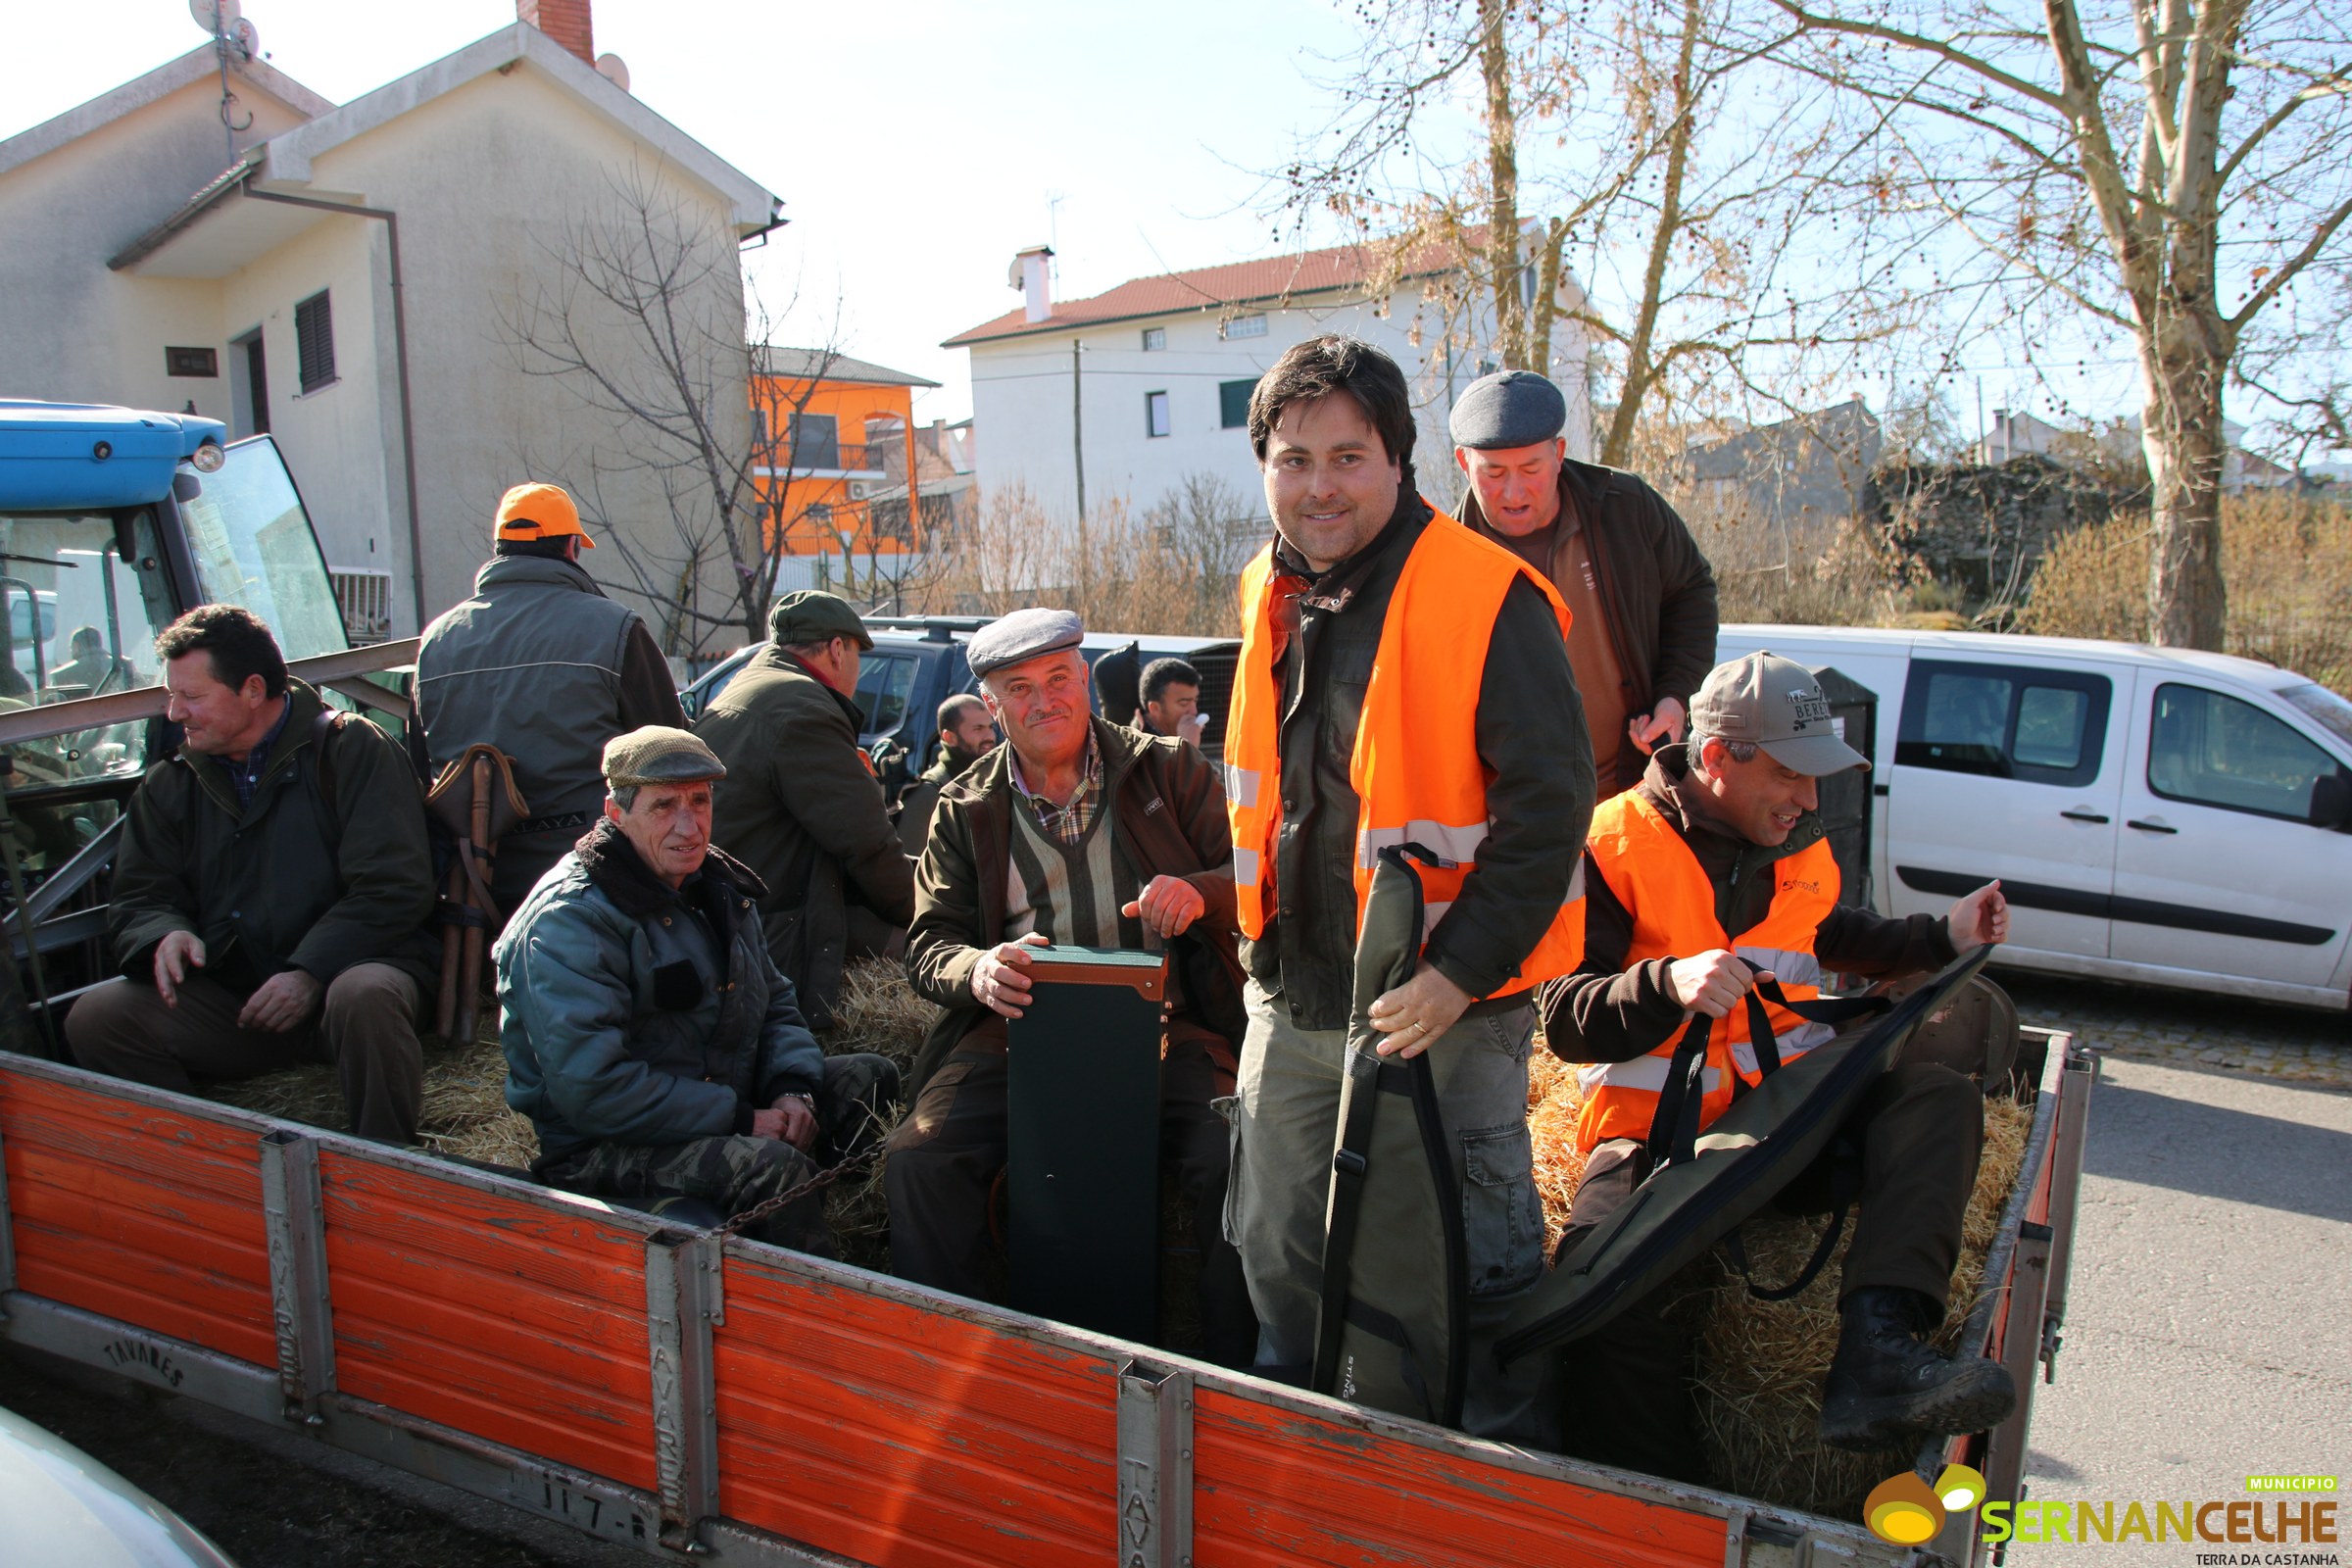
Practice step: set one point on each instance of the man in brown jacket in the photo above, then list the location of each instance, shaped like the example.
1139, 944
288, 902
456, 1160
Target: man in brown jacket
1640, 590
1076, 831
802, 807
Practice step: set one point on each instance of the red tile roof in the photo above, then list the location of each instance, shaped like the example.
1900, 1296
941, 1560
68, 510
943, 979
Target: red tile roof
1269, 282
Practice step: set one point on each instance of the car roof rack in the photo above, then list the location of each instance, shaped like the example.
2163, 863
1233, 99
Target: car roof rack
935, 628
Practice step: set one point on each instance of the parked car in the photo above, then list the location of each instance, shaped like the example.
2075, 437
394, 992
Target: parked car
63, 1506
2155, 815
917, 662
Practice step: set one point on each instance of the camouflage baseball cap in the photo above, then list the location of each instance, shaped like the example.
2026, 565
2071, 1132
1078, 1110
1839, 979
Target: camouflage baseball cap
658, 754
1778, 704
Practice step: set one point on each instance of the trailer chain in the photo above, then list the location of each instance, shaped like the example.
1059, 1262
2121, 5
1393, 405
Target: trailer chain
857, 1163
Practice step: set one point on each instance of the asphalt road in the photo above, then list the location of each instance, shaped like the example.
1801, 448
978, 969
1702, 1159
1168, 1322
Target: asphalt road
2207, 1335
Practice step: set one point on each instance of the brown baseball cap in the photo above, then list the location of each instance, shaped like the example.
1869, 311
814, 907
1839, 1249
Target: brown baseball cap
1778, 704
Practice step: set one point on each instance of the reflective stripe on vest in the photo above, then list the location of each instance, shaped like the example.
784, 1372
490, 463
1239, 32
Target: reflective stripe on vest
1653, 874
1642, 1072
1415, 766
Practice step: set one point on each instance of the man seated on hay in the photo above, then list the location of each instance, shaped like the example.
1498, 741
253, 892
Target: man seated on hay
1722, 835
1079, 832
649, 1036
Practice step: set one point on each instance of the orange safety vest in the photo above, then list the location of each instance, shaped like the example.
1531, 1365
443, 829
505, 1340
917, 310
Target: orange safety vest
1416, 768
1652, 872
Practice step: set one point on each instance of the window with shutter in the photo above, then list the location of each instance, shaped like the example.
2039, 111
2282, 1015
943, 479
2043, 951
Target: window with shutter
315, 341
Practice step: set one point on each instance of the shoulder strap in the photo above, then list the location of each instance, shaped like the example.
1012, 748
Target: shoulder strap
323, 727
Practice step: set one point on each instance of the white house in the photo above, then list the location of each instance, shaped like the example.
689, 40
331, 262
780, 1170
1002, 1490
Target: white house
1132, 391
347, 279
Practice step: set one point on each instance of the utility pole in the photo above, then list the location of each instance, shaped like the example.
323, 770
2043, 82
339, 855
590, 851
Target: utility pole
1077, 428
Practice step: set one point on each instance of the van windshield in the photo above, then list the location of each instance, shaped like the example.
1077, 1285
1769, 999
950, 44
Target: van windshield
2325, 706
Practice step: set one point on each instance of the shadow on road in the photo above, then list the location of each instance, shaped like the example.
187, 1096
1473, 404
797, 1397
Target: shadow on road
2190, 1146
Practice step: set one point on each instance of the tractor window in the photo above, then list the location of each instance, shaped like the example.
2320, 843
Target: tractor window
253, 547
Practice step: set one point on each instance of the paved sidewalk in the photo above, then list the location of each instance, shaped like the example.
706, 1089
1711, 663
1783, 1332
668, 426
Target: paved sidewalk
2198, 1033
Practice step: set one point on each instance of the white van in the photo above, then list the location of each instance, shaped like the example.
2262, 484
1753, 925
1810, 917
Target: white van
2154, 815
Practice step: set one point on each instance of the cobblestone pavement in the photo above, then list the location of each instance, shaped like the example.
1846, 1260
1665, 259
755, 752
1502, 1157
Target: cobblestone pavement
2185, 1029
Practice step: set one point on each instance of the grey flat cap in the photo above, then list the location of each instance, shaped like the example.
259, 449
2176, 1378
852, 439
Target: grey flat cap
1022, 635
658, 754
1508, 409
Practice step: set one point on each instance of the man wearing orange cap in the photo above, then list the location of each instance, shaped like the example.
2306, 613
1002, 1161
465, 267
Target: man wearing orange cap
542, 665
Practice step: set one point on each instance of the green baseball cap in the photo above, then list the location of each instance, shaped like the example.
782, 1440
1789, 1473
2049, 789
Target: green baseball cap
1778, 704
809, 616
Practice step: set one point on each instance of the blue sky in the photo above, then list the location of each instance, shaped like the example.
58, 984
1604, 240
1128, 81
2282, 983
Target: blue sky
917, 146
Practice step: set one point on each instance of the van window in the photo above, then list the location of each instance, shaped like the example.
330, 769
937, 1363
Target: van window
2214, 749
2038, 726
885, 686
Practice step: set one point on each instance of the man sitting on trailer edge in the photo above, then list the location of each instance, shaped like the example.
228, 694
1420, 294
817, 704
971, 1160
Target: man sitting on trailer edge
1723, 836
1081, 832
270, 891
650, 1037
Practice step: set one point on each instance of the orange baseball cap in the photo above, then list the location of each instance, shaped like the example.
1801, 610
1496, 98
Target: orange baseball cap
540, 511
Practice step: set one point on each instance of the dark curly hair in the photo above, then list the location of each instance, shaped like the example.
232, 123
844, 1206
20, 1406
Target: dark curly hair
239, 641
1322, 366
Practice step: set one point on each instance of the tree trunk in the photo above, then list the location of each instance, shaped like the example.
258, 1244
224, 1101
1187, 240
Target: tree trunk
2182, 433
1641, 369
1502, 185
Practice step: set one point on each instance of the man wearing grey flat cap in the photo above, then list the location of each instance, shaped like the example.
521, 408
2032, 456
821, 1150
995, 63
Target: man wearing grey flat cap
1082, 832
804, 807
649, 1037
1714, 872
1641, 593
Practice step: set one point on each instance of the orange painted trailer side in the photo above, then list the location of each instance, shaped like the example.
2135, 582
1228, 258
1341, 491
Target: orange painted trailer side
676, 1389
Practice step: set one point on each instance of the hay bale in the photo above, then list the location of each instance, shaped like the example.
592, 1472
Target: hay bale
465, 1110
1761, 1363
879, 1011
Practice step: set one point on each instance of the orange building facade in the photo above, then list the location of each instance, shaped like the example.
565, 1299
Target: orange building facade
838, 435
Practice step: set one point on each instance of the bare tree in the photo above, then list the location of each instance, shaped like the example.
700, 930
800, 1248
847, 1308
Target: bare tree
1690, 211
2173, 170
645, 322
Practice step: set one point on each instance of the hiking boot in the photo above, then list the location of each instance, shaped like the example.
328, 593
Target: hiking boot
1888, 1387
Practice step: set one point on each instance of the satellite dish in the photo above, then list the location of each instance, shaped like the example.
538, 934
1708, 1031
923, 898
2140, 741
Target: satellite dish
215, 16
246, 36
614, 70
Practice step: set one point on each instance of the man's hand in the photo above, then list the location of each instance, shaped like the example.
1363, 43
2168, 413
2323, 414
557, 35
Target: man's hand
1001, 979
1711, 983
174, 956
1192, 728
1663, 722
1416, 1013
282, 1004
1983, 917
1168, 906
796, 1123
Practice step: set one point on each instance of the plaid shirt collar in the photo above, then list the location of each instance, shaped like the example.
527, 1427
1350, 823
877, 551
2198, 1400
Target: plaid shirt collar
1066, 824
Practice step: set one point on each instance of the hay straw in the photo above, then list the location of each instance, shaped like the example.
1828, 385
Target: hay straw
1761, 1363
879, 1011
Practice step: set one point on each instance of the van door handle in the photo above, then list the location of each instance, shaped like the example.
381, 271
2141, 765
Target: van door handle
2081, 816
2149, 826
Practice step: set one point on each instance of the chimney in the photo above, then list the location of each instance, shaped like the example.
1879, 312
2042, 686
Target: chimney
1030, 276
564, 20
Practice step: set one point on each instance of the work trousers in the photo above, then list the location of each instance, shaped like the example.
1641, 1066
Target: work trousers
1286, 1131
365, 1025
1919, 1131
740, 1171
948, 1154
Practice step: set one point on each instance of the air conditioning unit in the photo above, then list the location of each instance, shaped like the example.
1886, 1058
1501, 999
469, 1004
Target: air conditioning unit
364, 596
860, 489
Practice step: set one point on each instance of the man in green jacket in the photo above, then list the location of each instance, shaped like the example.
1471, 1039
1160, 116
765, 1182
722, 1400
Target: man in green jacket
270, 891
965, 735
802, 807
